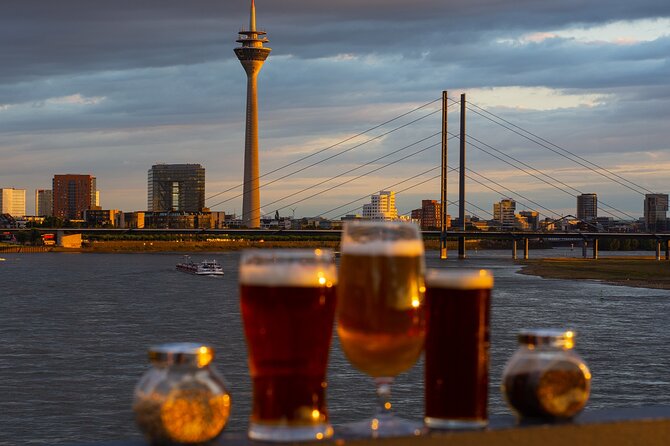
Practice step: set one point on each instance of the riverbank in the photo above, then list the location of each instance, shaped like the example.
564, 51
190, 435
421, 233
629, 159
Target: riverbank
640, 272
223, 245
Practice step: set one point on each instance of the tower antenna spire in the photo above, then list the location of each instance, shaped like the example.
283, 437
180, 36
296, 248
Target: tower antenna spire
252, 17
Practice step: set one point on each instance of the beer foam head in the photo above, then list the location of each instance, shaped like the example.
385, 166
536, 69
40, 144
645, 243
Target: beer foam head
288, 267
459, 279
382, 239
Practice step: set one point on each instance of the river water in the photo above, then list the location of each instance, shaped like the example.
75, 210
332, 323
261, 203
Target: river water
74, 329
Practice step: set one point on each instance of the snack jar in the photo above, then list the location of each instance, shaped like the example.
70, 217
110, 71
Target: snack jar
545, 378
182, 398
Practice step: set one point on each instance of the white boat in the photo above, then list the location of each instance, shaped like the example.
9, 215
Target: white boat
204, 268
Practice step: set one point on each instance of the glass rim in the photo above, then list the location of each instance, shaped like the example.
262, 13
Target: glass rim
459, 278
288, 268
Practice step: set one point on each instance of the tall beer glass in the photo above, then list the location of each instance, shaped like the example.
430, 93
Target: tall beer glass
288, 308
457, 348
380, 319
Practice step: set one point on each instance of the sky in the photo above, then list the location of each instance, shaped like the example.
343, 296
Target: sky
111, 88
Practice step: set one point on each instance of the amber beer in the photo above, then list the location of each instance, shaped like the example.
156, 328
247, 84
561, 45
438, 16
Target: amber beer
380, 305
288, 306
457, 348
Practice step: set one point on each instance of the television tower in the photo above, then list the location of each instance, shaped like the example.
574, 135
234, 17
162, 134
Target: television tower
252, 55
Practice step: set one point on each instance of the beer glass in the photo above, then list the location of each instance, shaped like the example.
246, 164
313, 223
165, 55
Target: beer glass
288, 309
457, 348
380, 321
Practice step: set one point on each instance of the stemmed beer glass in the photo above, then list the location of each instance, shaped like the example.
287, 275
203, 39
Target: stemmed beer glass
380, 320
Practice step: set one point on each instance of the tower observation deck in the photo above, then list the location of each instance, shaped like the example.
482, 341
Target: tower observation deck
252, 55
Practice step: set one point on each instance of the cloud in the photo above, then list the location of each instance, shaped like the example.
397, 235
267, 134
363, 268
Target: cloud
112, 87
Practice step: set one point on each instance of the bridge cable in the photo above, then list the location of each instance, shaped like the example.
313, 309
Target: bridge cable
550, 211
541, 173
385, 188
331, 157
355, 178
329, 147
548, 144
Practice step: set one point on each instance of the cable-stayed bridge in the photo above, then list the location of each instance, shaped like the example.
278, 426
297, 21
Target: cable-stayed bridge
418, 161
386, 146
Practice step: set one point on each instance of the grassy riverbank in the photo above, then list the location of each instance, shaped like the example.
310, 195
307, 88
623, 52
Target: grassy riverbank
147, 246
215, 246
643, 272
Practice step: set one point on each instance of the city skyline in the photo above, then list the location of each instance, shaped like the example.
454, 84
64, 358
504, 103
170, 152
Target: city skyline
155, 82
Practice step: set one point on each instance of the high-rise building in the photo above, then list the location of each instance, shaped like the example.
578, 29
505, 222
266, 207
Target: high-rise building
430, 214
72, 195
503, 213
532, 219
655, 210
13, 202
44, 202
252, 55
176, 187
381, 206
587, 207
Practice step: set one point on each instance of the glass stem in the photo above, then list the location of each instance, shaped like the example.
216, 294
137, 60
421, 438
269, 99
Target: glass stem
384, 396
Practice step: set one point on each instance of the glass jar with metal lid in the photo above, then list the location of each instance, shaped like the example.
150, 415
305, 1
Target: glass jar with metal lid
545, 378
182, 398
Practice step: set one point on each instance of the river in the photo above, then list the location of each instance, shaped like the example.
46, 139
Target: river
75, 329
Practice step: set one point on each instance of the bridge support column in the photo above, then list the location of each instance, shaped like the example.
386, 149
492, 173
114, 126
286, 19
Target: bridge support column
595, 249
584, 245
525, 249
461, 247
514, 249
667, 249
658, 250
443, 246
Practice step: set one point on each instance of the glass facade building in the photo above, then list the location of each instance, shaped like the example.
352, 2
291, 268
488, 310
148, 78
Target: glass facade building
655, 212
587, 207
176, 187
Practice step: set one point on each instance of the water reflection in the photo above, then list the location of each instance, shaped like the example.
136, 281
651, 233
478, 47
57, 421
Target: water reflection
76, 328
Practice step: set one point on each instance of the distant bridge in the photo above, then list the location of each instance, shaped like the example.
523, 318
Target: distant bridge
586, 239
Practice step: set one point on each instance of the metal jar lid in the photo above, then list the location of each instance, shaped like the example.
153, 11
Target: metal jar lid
547, 337
182, 353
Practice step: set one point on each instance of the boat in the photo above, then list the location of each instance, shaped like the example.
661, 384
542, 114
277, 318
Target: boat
204, 268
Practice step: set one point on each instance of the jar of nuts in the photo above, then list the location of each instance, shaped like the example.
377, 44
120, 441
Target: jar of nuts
181, 398
545, 378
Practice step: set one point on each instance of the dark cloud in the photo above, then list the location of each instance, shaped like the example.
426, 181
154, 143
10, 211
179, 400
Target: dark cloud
115, 86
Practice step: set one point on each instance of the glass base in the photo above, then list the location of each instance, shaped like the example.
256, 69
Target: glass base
379, 427
285, 434
456, 424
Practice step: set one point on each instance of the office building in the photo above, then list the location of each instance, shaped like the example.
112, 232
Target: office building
532, 219
587, 207
655, 210
176, 188
381, 207
44, 202
102, 217
430, 215
503, 213
13, 202
72, 195
134, 220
